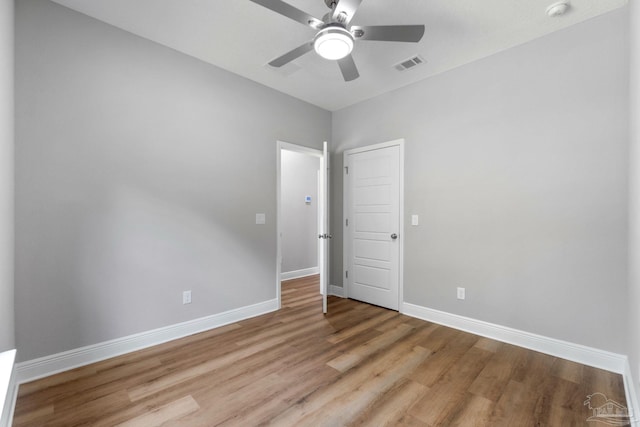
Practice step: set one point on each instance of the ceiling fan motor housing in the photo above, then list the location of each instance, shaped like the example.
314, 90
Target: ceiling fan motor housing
331, 3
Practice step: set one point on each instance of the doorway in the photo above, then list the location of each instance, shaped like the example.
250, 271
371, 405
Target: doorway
301, 213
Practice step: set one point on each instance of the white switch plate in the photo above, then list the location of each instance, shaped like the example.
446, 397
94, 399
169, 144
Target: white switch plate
261, 218
186, 297
461, 293
415, 220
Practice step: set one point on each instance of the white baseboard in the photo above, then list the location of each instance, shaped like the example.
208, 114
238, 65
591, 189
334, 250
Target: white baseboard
632, 395
10, 404
49, 365
336, 291
575, 352
8, 387
288, 275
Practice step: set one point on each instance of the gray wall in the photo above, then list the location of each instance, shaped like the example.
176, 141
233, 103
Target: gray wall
139, 172
517, 166
6, 176
299, 174
634, 202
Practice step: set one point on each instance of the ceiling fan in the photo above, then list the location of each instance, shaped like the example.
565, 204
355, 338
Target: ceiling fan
335, 38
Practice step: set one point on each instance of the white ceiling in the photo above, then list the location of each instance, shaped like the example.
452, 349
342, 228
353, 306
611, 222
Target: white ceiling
242, 37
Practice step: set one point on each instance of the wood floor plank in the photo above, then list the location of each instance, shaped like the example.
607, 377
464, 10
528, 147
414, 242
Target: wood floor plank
228, 405
351, 358
448, 393
362, 326
391, 407
298, 384
473, 411
495, 376
172, 379
444, 356
488, 344
342, 399
37, 415
164, 414
357, 365
565, 369
514, 408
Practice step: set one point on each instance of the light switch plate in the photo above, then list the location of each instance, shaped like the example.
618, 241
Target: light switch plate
261, 218
415, 220
186, 297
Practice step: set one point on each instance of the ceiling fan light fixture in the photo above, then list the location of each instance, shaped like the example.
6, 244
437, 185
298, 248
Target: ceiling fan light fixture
333, 43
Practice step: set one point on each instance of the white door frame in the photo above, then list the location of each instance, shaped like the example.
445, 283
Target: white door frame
281, 145
345, 214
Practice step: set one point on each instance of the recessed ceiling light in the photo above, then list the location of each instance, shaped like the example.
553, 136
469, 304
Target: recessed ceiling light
557, 9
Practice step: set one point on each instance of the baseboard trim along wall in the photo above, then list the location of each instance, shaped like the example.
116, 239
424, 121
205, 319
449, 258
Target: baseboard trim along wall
632, 395
296, 274
8, 387
42, 367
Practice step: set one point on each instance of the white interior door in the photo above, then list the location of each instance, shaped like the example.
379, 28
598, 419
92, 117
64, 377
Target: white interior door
324, 235
373, 221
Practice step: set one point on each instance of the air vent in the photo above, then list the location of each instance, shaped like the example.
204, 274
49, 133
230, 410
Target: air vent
409, 63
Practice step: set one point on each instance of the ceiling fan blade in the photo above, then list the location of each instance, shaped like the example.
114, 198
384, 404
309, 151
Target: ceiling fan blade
348, 7
389, 33
348, 68
291, 12
291, 55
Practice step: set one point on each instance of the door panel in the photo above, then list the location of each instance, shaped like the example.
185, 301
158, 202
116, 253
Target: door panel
372, 277
373, 188
375, 251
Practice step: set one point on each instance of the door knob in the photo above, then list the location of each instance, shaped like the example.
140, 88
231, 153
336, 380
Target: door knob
394, 236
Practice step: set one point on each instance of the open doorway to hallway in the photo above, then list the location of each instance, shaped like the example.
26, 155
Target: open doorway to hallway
302, 215
299, 214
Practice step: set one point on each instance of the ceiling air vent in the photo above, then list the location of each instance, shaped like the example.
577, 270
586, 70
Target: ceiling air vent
409, 63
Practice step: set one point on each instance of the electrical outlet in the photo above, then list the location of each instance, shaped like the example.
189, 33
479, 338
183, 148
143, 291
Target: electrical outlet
461, 293
186, 297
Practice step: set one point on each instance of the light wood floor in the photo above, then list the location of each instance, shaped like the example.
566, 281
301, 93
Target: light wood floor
359, 365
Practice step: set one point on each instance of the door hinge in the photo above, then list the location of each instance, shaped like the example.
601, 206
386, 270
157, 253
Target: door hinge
347, 222
346, 273
346, 170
